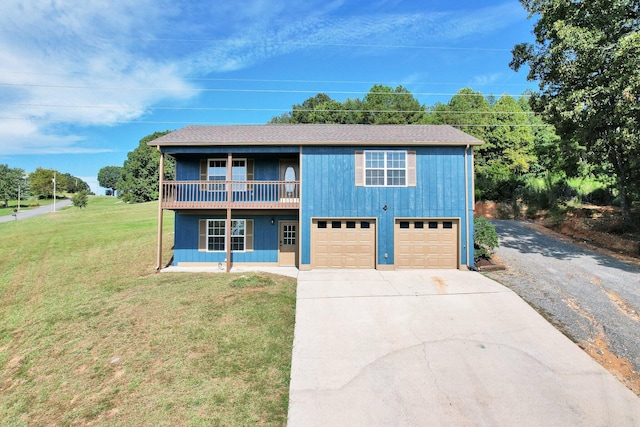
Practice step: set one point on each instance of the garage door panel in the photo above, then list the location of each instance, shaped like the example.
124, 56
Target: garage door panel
347, 243
426, 243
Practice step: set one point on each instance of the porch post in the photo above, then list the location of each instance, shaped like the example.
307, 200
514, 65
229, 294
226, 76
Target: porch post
229, 200
160, 216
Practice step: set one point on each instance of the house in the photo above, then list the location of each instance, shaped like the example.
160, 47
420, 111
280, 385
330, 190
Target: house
320, 196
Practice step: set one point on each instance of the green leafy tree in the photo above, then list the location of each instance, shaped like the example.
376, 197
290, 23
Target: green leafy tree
42, 182
139, 180
109, 176
468, 111
382, 105
586, 58
10, 180
392, 106
80, 199
73, 184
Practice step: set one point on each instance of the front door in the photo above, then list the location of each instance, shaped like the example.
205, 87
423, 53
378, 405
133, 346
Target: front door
288, 243
289, 174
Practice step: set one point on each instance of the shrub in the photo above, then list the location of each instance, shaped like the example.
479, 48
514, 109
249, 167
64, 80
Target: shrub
80, 199
485, 238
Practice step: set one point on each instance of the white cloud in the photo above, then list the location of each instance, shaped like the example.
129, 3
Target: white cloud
82, 63
112, 61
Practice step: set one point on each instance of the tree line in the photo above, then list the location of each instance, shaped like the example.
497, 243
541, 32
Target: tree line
16, 182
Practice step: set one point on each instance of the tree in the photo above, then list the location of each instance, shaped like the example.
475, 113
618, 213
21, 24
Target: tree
382, 105
10, 180
109, 176
73, 184
42, 182
586, 58
467, 110
139, 180
80, 199
392, 106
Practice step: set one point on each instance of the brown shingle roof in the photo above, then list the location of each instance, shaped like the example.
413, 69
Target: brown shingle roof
303, 134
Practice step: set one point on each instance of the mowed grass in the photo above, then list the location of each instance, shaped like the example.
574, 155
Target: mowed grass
90, 334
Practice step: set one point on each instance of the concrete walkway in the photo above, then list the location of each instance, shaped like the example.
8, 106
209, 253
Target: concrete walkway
439, 347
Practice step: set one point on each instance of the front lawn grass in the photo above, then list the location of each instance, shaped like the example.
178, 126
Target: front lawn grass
90, 334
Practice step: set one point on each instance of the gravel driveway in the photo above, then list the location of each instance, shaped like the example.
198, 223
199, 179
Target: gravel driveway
591, 297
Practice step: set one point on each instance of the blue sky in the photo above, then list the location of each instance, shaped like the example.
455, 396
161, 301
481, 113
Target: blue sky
82, 81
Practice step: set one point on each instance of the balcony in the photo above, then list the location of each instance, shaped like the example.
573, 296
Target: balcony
230, 194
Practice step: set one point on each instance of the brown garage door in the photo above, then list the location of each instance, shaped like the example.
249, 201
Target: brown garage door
343, 243
426, 243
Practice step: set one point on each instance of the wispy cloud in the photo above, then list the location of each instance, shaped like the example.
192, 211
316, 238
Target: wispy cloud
114, 60
76, 62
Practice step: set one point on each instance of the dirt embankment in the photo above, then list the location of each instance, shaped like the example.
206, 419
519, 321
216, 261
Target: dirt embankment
600, 226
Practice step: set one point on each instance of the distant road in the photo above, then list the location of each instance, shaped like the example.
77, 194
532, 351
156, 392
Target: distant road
36, 211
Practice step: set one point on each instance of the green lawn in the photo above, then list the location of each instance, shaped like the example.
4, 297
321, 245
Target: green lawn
90, 334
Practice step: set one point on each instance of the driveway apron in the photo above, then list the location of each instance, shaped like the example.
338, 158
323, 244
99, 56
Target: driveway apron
438, 347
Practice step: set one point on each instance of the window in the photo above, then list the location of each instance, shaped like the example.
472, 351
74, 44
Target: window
433, 224
385, 168
322, 224
216, 235
364, 224
447, 224
418, 224
336, 224
351, 224
404, 224
217, 171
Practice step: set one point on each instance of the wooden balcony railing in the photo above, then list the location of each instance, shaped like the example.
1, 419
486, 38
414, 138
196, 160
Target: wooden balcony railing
230, 194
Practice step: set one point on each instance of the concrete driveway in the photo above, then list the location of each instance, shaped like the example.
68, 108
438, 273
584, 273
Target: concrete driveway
438, 347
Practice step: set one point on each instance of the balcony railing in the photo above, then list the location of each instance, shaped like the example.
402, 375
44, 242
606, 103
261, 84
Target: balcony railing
230, 194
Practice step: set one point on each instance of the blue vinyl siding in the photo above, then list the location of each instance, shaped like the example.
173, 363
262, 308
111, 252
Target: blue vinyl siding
329, 190
265, 239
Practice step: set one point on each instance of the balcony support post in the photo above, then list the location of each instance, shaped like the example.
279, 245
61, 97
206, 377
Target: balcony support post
229, 200
160, 215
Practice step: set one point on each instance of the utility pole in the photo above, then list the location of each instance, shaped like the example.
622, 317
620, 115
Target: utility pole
54, 191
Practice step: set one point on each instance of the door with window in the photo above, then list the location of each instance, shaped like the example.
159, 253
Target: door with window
288, 243
289, 174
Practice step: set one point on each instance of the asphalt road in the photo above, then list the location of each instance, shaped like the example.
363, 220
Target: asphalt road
40, 210
586, 294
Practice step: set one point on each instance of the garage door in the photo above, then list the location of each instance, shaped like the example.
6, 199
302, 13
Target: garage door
343, 243
426, 243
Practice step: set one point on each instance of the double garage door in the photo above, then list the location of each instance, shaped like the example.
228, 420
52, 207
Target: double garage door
351, 243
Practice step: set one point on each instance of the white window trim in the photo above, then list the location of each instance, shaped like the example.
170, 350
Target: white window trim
385, 168
244, 236
235, 187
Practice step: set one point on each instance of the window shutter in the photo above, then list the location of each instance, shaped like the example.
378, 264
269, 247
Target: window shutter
202, 235
250, 175
203, 173
359, 158
411, 169
248, 235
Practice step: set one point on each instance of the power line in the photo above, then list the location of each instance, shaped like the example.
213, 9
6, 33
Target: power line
287, 109
211, 123
246, 80
235, 90
277, 43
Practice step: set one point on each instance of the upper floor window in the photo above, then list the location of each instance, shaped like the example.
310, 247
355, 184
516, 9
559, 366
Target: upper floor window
217, 171
385, 168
